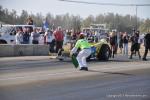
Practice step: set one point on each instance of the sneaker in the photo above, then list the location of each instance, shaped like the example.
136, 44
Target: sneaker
144, 59
85, 68
82, 68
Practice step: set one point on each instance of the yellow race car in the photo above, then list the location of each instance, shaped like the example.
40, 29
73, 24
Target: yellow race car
100, 51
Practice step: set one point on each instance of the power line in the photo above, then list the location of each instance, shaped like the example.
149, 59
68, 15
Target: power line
109, 4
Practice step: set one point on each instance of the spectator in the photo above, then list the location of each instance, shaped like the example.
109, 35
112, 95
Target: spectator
125, 43
59, 38
49, 39
41, 31
26, 36
135, 45
113, 43
35, 37
42, 37
73, 39
96, 36
19, 36
147, 45
29, 21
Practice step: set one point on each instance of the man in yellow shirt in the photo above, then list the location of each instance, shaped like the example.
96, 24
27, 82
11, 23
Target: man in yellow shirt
85, 51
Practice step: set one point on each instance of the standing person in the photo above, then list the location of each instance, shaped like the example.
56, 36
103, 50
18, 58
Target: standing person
35, 37
26, 36
49, 39
135, 45
59, 38
19, 36
113, 41
96, 37
73, 39
125, 43
29, 21
41, 38
147, 45
85, 48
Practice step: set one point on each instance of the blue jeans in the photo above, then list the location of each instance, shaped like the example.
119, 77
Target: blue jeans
125, 48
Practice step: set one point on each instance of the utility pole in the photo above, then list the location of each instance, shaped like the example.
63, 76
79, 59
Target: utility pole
136, 26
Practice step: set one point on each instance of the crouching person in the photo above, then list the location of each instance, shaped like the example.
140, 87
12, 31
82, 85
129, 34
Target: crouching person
85, 51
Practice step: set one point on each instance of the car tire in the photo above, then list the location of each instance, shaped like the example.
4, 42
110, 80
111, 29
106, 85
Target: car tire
104, 53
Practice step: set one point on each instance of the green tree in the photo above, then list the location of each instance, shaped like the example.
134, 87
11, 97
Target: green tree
145, 27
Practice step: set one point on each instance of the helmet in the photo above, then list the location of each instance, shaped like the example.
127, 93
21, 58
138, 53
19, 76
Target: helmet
81, 36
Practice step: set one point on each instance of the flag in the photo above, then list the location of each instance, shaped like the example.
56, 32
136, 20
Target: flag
45, 24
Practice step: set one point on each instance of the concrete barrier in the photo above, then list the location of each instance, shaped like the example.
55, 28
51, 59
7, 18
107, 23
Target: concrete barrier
7, 50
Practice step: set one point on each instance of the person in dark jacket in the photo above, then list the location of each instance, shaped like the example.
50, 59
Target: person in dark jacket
113, 43
135, 45
147, 45
26, 36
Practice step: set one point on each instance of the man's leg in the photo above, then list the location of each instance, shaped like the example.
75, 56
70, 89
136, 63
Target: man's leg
139, 54
145, 53
132, 51
50, 46
86, 54
126, 49
57, 46
79, 59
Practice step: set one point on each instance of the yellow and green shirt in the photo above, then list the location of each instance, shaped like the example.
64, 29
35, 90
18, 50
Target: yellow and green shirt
82, 44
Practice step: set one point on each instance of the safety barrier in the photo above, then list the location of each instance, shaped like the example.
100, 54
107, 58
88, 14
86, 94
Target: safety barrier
7, 50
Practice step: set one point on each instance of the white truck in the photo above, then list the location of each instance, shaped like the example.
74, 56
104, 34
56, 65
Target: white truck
8, 32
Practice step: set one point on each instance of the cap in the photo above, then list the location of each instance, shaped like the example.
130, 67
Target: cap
81, 36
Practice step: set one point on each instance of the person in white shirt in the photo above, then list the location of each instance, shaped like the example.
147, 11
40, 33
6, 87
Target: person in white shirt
49, 39
19, 36
35, 36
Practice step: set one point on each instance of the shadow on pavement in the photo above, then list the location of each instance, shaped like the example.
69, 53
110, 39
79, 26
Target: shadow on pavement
116, 73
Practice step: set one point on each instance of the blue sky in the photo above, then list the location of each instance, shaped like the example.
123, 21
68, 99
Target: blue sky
57, 7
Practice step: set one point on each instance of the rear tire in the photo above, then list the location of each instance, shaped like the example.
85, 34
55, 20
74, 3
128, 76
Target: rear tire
104, 53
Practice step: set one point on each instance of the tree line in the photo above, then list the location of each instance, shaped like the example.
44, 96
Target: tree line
113, 21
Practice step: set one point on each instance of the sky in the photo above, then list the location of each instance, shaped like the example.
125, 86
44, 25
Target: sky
57, 7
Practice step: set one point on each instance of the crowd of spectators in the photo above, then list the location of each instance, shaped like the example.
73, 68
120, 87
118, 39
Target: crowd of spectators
55, 39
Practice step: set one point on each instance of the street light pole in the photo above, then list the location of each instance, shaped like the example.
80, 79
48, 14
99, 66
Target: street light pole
136, 7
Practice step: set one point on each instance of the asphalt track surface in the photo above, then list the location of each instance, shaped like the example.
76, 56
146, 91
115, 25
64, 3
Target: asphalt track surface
41, 78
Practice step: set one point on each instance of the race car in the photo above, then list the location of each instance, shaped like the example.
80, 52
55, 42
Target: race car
100, 51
